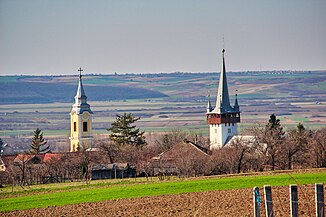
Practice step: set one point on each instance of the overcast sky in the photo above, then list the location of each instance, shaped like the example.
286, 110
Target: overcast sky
145, 36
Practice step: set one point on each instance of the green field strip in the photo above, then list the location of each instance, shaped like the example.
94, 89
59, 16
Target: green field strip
4, 133
155, 189
6, 79
300, 119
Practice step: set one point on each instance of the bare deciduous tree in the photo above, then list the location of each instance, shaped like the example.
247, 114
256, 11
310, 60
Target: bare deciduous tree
318, 146
270, 139
169, 139
296, 143
239, 150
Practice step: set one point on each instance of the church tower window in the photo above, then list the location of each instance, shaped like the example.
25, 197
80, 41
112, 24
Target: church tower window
75, 126
85, 129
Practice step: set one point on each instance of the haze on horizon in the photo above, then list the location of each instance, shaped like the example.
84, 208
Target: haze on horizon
42, 37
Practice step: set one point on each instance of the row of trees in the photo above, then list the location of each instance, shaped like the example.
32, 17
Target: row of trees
66, 167
271, 148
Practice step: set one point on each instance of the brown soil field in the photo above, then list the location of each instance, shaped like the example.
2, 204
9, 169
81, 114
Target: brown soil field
210, 203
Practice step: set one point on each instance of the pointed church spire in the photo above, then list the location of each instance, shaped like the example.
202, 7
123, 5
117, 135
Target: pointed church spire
223, 101
80, 95
81, 104
209, 106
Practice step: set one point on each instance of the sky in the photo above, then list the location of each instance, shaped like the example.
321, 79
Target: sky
43, 37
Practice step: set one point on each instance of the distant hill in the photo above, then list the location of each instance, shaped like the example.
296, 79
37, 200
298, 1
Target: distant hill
21, 92
253, 87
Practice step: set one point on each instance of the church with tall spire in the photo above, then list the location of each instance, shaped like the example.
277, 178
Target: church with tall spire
223, 118
81, 136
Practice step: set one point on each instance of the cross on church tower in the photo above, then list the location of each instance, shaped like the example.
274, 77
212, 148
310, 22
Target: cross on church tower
80, 71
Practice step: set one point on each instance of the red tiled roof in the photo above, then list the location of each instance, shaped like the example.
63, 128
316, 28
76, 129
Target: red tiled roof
52, 157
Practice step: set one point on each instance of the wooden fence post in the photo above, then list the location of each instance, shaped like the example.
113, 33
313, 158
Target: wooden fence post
268, 201
256, 201
294, 200
319, 196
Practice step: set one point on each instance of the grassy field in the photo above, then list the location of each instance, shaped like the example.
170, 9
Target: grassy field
128, 188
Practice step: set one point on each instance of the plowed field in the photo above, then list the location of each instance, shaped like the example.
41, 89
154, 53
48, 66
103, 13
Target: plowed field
210, 203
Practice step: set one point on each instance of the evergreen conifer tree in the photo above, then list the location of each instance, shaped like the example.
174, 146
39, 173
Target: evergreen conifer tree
39, 145
274, 128
123, 132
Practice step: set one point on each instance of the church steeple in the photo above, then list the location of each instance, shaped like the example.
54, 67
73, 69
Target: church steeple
223, 118
81, 104
223, 100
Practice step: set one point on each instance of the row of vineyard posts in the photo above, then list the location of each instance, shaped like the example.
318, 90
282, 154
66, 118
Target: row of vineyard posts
294, 203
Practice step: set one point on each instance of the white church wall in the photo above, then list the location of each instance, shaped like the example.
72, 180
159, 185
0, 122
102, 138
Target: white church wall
220, 133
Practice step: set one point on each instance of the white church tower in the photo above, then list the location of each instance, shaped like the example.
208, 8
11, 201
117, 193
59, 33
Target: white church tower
223, 118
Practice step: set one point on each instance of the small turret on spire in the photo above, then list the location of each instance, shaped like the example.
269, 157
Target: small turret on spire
236, 104
209, 106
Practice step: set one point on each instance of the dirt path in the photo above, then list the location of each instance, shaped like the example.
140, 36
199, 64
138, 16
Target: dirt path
210, 203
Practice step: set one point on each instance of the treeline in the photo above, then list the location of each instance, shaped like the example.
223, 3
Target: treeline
269, 147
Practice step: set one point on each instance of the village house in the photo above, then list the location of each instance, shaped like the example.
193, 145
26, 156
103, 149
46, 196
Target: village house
113, 171
185, 159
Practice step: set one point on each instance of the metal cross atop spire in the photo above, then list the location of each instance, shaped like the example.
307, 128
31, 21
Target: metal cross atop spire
80, 71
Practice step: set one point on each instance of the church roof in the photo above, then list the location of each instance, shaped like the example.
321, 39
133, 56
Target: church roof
246, 139
223, 100
81, 104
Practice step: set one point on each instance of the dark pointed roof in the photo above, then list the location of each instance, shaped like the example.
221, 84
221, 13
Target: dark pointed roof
236, 104
223, 100
209, 106
81, 104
